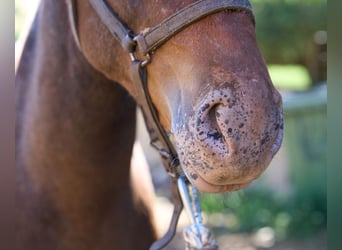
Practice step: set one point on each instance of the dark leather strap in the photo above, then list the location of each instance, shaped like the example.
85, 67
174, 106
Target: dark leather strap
157, 132
116, 26
178, 206
154, 37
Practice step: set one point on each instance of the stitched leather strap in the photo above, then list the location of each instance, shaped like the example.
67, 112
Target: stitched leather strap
117, 27
178, 207
154, 37
157, 132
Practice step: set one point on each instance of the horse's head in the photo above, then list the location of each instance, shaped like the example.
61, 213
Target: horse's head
209, 84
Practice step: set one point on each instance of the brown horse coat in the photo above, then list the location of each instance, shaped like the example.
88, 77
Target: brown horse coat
75, 131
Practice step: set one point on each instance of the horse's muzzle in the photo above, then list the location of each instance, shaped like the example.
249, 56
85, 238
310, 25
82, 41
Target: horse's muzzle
231, 141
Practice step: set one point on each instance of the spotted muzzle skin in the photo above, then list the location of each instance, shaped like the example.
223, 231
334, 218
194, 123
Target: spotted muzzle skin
229, 138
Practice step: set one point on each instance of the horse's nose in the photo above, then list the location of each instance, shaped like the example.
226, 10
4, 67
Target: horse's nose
230, 138
230, 129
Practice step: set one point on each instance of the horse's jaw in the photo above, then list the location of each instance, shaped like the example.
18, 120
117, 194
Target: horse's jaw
229, 137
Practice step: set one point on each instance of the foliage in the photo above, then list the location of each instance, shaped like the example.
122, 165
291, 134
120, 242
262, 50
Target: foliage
249, 210
285, 28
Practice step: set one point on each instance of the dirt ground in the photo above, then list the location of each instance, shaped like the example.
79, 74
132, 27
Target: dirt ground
245, 242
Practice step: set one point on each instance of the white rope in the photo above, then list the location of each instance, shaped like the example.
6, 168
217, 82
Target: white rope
196, 236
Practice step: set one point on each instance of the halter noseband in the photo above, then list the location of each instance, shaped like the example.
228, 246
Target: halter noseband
147, 42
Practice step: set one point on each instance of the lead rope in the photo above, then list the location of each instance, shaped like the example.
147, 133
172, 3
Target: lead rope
196, 236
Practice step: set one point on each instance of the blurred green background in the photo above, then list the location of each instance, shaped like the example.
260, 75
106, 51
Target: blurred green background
289, 200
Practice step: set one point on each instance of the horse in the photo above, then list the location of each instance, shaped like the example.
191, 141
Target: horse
76, 106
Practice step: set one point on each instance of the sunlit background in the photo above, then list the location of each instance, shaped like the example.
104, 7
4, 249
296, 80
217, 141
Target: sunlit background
286, 207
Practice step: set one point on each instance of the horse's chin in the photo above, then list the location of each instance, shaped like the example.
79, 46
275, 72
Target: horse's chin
205, 186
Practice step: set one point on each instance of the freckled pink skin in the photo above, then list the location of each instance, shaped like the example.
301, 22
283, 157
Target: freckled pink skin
221, 147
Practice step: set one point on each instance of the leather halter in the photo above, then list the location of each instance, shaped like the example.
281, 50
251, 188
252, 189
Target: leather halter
146, 42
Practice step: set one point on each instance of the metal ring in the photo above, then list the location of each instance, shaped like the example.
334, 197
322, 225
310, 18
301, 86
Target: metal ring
132, 56
147, 60
143, 63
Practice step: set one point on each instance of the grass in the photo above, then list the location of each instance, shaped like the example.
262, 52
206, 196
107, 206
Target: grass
250, 210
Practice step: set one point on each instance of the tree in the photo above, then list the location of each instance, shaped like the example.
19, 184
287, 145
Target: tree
292, 31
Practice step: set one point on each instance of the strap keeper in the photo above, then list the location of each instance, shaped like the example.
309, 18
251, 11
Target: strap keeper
128, 43
141, 43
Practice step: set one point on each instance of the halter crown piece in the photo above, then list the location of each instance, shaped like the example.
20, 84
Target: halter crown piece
146, 42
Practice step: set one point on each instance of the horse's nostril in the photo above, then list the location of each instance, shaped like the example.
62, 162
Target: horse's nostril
210, 127
213, 116
207, 122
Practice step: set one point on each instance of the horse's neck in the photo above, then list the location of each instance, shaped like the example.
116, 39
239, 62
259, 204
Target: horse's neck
71, 110
75, 131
